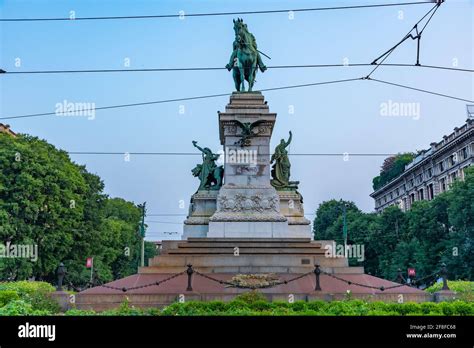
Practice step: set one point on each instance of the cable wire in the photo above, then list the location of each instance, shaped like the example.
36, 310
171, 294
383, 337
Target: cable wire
199, 154
183, 15
420, 90
88, 71
408, 35
180, 99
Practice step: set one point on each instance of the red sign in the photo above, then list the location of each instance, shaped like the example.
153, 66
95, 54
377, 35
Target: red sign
89, 262
411, 272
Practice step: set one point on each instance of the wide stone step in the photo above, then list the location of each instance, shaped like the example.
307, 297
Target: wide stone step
247, 251
250, 240
252, 269
255, 245
215, 262
280, 260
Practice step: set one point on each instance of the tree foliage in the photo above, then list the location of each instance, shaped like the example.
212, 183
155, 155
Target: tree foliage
49, 201
430, 233
392, 167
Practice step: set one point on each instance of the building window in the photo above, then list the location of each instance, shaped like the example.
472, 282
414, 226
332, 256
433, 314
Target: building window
464, 153
451, 160
454, 176
411, 183
430, 173
420, 195
397, 192
441, 167
430, 192
391, 195
412, 198
442, 185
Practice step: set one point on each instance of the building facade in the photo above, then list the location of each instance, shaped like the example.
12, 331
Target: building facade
431, 172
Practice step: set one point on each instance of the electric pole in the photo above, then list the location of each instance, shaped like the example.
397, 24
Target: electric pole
142, 234
344, 227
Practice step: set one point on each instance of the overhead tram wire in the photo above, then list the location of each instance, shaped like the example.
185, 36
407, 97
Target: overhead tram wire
237, 13
420, 90
184, 99
227, 94
406, 37
303, 66
93, 153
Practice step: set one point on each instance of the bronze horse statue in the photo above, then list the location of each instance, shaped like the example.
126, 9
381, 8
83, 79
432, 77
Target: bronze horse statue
245, 58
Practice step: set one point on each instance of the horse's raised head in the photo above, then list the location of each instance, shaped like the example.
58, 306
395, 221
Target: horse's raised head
239, 26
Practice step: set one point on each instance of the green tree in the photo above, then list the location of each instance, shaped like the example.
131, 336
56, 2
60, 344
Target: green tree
392, 167
459, 255
326, 214
49, 201
37, 187
431, 232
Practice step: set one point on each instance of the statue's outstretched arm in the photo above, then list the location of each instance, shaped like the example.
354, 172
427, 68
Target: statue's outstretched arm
289, 139
197, 146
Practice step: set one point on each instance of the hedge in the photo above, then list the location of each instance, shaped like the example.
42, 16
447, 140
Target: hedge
464, 289
33, 293
32, 298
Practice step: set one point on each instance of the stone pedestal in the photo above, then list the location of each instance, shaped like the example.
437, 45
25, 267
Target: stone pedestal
247, 205
291, 206
444, 295
62, 298
202, 207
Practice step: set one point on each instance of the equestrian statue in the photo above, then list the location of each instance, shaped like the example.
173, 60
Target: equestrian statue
245, 58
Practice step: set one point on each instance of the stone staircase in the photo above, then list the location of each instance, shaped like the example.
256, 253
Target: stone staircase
247, 255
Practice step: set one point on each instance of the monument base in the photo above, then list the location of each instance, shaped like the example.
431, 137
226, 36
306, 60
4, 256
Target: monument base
201, 208
249, 229
217, 258
291, 206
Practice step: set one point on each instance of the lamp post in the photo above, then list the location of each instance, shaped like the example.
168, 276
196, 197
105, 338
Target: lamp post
142, 234
61, 272
344, 227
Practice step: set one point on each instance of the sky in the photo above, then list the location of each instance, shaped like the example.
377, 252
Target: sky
340, 118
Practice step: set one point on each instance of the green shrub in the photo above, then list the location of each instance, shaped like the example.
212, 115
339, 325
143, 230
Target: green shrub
251, 297
463, 289
336, 308
7, 296
237, 303
125, 309
261, 306
80, 312
298, 306
20, 307
340, 308
378, 312
406, 308
35, 293
447, 308
217, 306
317, 306
430, 308
462, 308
